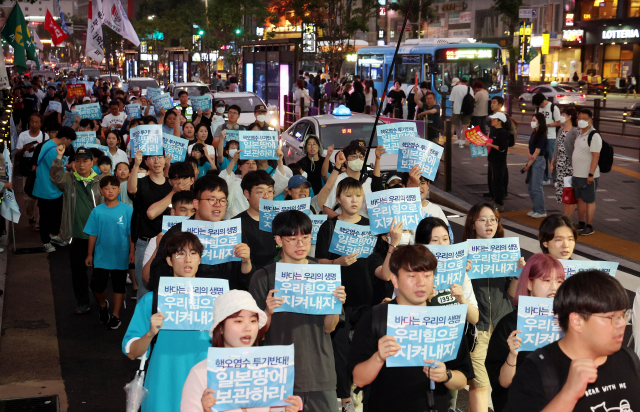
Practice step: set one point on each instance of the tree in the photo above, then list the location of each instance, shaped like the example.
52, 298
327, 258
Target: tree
420, 8
510, 12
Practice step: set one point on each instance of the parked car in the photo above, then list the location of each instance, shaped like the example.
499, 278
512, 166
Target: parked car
113, 78
90, 73
142, 83
635, 113
193, 89
557, 94
247, 102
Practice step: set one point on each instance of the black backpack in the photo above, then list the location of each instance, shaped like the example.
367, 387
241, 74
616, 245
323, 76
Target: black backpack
605, 162
468, 103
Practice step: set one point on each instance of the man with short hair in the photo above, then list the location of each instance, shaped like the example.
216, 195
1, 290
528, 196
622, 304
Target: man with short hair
588, 369
260, 112
231, 124
586, 171
430, 111
552, 116
459, 89
115, 118
185, 109
30, 101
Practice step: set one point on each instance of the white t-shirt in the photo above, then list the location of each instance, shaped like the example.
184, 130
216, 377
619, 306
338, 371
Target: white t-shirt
25, 138
148, 252
109, 120
210, 150
582, 154
457, 94
119, 157
331, 199
550, 118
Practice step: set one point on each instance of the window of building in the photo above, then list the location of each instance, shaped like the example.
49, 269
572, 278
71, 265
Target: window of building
487, 24
618, 59
605, 9
634, 8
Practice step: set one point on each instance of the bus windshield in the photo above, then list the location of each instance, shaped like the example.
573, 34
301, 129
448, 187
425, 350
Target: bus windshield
482, 66
370, 66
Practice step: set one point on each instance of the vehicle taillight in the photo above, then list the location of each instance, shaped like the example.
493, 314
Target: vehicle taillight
584, 96
559, 96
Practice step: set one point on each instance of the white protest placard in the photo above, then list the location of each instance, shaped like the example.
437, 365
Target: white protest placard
175, 146
537, 322
389, 135
55, 106
9, 207
403, 205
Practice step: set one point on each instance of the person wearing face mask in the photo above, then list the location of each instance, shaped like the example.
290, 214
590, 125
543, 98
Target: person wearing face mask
563, 153
231, 124
260, 112
314, 164
540, 278
586, 171
536, 165
558, 236
354, 153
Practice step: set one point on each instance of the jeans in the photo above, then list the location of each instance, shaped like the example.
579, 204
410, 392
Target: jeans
78, 250
141, 246
535, 185
551, 146
50, 217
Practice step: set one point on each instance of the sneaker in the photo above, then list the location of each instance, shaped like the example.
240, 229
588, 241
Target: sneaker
82, 309
588, 230
546, 182
348, 407
538, 215
487, 195
531, 213
500, 208
48, 247
58, 241
581, 227
128, 279
114, 323
105, 317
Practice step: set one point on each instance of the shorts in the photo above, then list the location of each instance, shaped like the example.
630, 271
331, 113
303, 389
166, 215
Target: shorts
132, 266
459, 118
478, 356
586, 194
318, 401
100, 279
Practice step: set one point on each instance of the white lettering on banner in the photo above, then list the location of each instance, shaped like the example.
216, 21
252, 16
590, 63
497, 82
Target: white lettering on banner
621, 34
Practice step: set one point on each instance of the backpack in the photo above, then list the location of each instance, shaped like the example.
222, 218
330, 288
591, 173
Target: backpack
468, 103
549, 373
605, 162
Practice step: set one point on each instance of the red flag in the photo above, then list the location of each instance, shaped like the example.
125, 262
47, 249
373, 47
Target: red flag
57, 35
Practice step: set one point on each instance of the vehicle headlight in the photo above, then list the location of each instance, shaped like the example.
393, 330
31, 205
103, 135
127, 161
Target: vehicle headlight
273, 122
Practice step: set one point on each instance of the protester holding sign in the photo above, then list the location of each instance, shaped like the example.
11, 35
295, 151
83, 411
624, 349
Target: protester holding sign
233, 114
114, 140
497, 158
170, 354
541, 277
115, 118
405, 389
181, 177
315, 374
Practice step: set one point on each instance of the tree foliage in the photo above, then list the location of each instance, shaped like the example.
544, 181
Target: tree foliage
509, 10
426, 12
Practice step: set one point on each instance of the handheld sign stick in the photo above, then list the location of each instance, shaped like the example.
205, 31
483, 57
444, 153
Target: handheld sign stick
432, 386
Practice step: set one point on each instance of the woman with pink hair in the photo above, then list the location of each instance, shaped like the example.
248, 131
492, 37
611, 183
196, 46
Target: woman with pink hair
541, 277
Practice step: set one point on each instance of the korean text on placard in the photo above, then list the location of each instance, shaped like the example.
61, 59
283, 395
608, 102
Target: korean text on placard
494, 258
425, 332
250, 377
258, 144
389, 135
83, 139
147, 138
348, 238
175, 146
415, 151
218, 239
270, 208
316, 221
89, 111
571, 267
104, 149
133, 110
452, 264
308, 289
200, 103
403, 205
537, 322
170, 221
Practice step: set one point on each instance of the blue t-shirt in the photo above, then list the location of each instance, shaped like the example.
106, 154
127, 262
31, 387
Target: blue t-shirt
43, 187
112, 227
542, 144
225, 163
96, 169
202, 170
174, 354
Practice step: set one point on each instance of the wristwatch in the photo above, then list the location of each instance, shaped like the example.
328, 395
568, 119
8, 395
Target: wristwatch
590, 174
449, 376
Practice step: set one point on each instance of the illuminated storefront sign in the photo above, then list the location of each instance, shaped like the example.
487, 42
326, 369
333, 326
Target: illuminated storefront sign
572, 35
620, 34
468, 54
568, 19
545, 44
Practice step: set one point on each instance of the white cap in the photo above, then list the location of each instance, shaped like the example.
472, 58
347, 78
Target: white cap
499, 116
234, 301
454, 81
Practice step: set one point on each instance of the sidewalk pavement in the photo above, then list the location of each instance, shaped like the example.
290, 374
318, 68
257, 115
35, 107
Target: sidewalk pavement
617, 202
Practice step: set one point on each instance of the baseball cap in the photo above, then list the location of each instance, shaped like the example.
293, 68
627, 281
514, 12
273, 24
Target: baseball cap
393, 177
296, 181
260, 108
220, 103
455, 81
135, 89
499, 116
83, 153
465, 78
357, 142
86, 99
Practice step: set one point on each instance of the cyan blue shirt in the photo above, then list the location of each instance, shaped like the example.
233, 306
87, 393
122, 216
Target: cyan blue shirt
112, 227
203, 169
174, 354
43, 187
225, 163
96, 169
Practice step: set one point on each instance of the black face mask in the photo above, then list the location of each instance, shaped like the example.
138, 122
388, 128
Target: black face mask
396, 186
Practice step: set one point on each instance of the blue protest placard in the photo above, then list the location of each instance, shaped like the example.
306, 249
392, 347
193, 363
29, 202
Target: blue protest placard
200, 102
415, 151
308, 289
162, 101
249, 377
478, 151
571, 267
69, 119
537, 322
175, 146
349, 238
152, 92
55, 106
403, 205
231, 135
316, 221
8, 165
494, 258
425, 332
187, 303
147, 138
89, 111
258, 144
83, 139
270, 208
452, 264
170, 221
133, 110
9, 207
104, 149
389, 135
218, 239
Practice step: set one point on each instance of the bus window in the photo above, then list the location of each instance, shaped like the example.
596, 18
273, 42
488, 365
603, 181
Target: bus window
486, 71
370, 66
407, 67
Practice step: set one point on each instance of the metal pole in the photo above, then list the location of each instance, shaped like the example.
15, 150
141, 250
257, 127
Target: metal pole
13, 231
419, 19
448, 145
386, 85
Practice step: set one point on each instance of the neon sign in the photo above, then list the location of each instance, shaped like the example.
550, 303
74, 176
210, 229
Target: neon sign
572, 35
468, 54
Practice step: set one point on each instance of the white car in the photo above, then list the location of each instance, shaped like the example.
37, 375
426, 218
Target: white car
193, 89
113, 78
338, 131
142, 83
247, 102
557, 94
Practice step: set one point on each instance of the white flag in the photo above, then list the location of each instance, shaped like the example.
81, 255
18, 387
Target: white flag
4, 77
95, 38
36, 40
116, 19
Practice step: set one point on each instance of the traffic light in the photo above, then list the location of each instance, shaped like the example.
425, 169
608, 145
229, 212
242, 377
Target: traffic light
238, 31
200, 32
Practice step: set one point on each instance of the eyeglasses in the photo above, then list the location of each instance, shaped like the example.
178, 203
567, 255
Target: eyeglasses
616, 318
156, 158
122, 170
484, 220
262, 193
215, 201
182, 254
312, 145
305, 240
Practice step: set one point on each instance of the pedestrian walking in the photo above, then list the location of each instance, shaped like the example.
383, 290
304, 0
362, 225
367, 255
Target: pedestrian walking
535, 167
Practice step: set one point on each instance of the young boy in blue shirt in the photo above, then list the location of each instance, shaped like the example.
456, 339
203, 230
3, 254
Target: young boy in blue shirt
110, 249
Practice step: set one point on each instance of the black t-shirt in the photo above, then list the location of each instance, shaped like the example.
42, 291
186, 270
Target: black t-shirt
396, 97
501, 139
401, 389
149, 193
30, 103
616, 388
314, 175
380, 288
262, 244
541, 144
355, 278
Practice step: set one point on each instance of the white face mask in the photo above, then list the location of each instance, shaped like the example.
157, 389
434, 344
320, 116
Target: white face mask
534, 125
562, 119
583, 124
220, 110
232, 152
356, 165
304, 174
405, 239
261, 118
